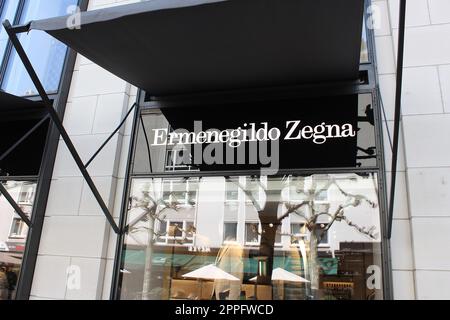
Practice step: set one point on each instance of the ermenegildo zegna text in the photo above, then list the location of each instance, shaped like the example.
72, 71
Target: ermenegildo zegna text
251, 132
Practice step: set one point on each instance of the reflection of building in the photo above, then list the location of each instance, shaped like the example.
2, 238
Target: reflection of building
13, 234
201, 217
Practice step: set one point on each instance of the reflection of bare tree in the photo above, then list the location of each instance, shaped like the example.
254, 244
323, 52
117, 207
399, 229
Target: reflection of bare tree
307, 209
154, 208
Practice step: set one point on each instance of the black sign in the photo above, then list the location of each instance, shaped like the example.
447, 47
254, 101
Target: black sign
290, 134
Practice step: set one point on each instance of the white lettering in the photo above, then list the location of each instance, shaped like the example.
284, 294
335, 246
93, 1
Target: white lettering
249, 133
159, 135
347, 131
261, 134
295, 124
307, 132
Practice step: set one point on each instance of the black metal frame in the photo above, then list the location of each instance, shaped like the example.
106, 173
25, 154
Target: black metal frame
325, 89
48, 105
56, 129
398, 104
8, 49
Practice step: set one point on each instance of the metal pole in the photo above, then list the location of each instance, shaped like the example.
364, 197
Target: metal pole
14, 205
118, 262
110, 137
147, 143
398, 102
57, 121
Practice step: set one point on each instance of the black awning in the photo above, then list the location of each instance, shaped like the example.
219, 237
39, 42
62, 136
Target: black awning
17, 117
172, 47
13, 105
17, 107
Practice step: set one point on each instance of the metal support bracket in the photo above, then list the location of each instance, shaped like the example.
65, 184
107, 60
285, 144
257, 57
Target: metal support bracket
111, 136
14, 204
57, 121
398, 103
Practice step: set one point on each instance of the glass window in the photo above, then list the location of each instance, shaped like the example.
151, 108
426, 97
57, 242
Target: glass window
232, 189
26, 195
230, 231
175, 160
19, 228
298, 233
341, 249
189, 231
175, 232
46, 54
176, 229
179, 192
8, 12
162, 231
251, 233
364, 45
13, 234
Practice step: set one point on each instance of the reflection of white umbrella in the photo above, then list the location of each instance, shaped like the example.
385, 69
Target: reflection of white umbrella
280, 274
210, 272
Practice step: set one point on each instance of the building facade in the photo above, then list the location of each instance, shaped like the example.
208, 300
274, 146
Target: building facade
301, 234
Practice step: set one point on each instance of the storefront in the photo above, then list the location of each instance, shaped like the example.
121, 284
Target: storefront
255, 164
287, 204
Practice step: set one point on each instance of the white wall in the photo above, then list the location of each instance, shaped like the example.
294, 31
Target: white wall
422, 215
76, 233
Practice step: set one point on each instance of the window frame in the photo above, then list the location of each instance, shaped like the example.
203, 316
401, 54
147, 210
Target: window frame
187, 190
297, 236
252, 243
232, 182
307, 236
9, 47
184, 235
23, 228
23, 203
6, 58
225, 241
